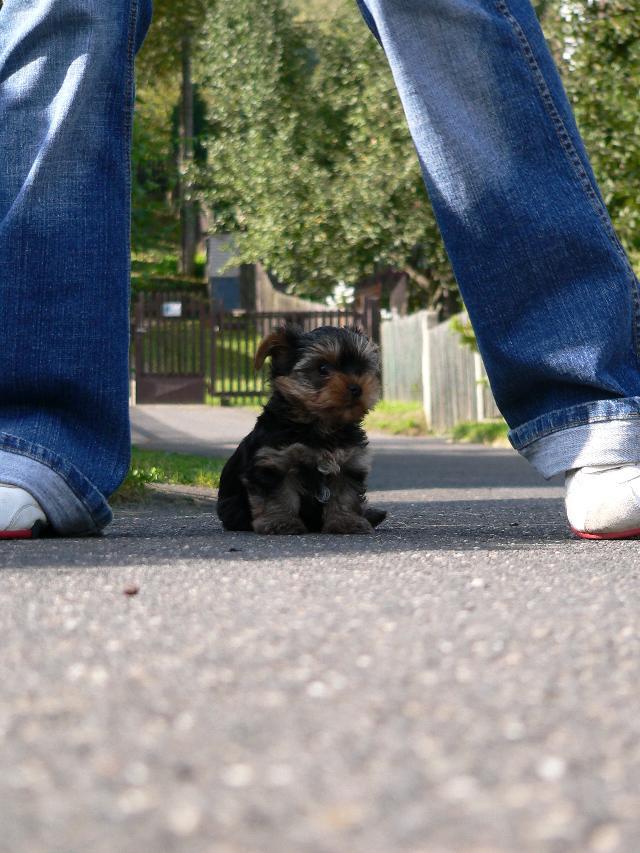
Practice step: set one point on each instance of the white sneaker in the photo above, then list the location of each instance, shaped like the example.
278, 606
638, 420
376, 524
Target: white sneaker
603, 501
21, 516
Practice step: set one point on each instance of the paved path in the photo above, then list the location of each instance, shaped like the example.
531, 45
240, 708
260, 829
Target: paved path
465, 680
208, 430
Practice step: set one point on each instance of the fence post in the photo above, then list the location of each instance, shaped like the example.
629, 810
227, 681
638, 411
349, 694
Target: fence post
428, 319
138, 343
479, 377
372, 317
213, 343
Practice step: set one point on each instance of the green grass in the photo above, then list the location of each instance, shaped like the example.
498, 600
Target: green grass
251, 403
492, 432
155, 243
235, 352
154, 466
398, 418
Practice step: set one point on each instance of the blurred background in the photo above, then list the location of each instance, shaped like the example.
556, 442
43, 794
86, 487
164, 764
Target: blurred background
278, 121
269, 138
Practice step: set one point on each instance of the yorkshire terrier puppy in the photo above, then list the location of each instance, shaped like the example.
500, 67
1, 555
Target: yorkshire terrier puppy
305, 464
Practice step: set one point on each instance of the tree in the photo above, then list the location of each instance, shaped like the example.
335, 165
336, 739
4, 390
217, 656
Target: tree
313, 161
168, 59
600, 64
309, 155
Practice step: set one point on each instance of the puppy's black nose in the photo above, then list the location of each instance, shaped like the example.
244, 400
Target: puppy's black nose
356, 391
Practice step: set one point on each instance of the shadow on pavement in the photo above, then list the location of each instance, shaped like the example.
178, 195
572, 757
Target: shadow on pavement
166, 536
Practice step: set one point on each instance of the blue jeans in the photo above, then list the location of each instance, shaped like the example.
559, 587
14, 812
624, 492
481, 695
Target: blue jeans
66, 102
549, 289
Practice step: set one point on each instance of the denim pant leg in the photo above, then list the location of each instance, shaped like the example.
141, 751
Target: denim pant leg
66, 100
549, 289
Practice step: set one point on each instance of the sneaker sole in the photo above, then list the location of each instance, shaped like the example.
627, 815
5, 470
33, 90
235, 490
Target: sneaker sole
624, 534
35, 532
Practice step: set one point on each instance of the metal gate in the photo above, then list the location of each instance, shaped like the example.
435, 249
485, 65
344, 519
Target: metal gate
182, 349
170, 352
235, 337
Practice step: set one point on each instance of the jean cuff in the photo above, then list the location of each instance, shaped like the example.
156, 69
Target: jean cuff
72, 504
602, 432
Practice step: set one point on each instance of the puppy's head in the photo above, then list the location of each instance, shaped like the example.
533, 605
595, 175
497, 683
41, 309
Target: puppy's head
331, 374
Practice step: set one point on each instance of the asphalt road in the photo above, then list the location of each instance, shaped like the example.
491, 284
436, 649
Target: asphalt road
465, 680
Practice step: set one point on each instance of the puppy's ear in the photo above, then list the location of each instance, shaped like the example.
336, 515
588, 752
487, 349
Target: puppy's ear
280, 345
358, 330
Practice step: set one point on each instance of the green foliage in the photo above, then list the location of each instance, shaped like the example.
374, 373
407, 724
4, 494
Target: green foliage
163, 145
313, 161
172, 23
153, 164
154, 253
461, 325
600, 65
309, 155
154, 167
151, 145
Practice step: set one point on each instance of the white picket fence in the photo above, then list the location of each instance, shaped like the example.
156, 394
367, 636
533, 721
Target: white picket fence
424, 361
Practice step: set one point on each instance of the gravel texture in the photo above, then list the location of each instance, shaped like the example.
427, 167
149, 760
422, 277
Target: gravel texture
465, 680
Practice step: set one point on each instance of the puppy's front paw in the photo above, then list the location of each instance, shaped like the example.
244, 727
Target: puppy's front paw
347, 524
281, 527
373, 515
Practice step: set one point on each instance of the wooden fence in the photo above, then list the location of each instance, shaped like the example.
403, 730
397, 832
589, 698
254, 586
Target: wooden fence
235, 337
424, 361
183, 348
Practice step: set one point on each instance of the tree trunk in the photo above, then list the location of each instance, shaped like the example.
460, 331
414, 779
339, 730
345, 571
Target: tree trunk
188, 208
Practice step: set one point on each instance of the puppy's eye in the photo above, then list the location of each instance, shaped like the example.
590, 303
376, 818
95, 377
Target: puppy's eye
324, 369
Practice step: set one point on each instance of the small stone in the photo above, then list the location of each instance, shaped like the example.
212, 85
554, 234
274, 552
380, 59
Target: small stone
273, 699
463, 674
539, 632
238, 775
551, 768
279, 775
76, 671
460, 787
133, 801
477, 583
183, 770
99, 675
131, 589
184, 817
513, 729
136, 773
605, 838
184, 722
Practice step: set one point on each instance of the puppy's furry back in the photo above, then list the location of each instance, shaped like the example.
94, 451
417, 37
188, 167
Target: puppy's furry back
271, 429
233, 502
